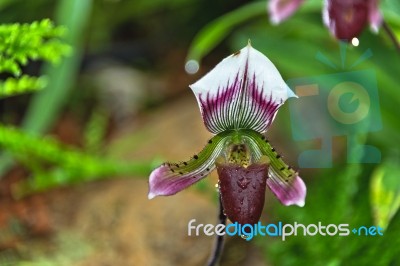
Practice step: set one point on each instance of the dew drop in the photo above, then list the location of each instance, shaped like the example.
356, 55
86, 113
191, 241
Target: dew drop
355, 42
243, 183
244, 237
192, 66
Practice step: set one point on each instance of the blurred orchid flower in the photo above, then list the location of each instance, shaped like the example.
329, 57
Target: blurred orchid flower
344, 18
238, 100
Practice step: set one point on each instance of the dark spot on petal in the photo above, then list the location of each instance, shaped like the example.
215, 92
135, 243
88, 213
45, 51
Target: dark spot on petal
283, 168
278, 156
196, 157
208, 169
201, 174
180, 173
290, 175
210, 141
185, 163
273, 149
172, 170
177, 165
262, 137
286, 180
289, 167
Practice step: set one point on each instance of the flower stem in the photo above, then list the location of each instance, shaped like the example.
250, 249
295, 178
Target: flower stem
219, 241
391, 35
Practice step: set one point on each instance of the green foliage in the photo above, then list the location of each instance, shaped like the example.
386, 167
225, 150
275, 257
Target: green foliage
217, 30
14, 86
54, 164
46, 105
385, 192
51, 163
95, 131
20, 43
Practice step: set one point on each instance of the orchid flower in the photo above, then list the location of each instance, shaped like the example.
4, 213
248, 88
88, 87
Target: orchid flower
344, 18
238, 101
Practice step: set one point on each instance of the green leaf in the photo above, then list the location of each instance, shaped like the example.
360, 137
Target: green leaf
214, 32
385, 192
217, 30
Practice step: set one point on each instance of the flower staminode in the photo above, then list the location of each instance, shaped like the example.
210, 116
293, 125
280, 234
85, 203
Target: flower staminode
238, 101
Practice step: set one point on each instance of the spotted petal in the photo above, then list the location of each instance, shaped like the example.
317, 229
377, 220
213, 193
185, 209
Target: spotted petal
280, 10
283, 181
245, 90
170, 178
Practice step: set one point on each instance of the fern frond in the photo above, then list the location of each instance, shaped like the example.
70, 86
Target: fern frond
76, 165
20, 43
15, 86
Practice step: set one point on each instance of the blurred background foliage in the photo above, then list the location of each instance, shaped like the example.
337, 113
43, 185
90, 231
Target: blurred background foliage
73, 52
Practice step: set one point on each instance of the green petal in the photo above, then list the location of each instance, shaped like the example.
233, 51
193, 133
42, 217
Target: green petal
170, 178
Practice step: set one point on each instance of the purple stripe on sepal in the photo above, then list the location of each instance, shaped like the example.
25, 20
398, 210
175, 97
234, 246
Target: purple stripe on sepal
241, 104
245, 90
243, 191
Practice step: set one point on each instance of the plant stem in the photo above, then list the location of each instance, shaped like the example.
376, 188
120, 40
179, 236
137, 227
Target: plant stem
219, 241
391, 35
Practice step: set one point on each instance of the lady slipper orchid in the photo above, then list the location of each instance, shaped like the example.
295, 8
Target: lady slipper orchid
344, 18
238, 101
